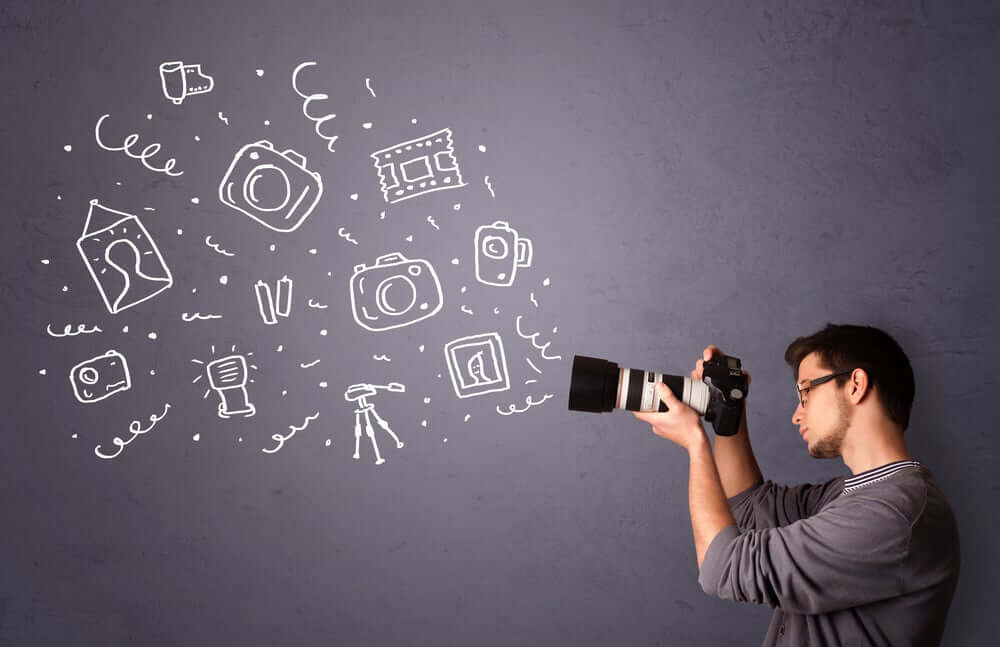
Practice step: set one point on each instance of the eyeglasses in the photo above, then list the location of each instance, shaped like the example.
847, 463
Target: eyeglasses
800, 392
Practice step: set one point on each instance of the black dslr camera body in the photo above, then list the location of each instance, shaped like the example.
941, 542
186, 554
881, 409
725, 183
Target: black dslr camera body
597, 385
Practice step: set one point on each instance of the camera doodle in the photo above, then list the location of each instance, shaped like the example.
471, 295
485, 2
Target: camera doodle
180, 81
395, 292
499, 252
418, 166
100, 377
118, 241
273, 187
477, 364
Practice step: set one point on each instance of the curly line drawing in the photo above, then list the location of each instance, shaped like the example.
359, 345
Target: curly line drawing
368, 84
531, 297
142, 155
313, 303
489, 186
223, 119
343, 233
81, 329
517, 323
512, 408
309, 98
381, 358
532, 365
430, 219
197, 315
216, 247
135, 428
309, 364
281, 439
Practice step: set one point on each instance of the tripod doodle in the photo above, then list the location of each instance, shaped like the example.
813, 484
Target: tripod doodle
359, 393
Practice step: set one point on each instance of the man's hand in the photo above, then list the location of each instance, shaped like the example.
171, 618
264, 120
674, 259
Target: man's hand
680, 423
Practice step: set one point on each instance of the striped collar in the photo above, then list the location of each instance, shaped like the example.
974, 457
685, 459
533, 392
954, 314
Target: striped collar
877, 474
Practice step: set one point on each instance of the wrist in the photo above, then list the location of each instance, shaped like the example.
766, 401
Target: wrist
699, 442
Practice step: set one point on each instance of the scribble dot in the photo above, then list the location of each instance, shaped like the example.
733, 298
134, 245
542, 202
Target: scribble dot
467, 416
67, 148
152, 335
354, 196
195, 200
464, 289
197, 138
152, 371
328, 442
279, 348
367, 125
421, 348
240, 439
42, 371
323, 332
439, 376
224, 279
457, 206
322, 385
312, 251
427, 400
125, 329
45, 261
272, 247
196, 437
423, 423
58, 197
74, 436
546, 281
180, 232
260, 72
149, 116
482, 149
193, 290
267, 122
413, 121
444, 440
65, 288
454, 261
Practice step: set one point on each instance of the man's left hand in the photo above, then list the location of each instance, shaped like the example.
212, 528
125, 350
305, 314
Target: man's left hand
680, 423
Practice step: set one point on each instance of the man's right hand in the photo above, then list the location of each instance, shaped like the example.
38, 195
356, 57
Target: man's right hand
699, 367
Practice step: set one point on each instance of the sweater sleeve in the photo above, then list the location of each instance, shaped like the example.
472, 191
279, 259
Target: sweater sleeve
846, 555
767, 504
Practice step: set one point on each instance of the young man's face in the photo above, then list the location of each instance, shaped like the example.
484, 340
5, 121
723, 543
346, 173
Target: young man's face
826, 415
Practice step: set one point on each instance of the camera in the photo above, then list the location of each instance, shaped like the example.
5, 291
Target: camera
499, 252
273, 187
100, 377
394, 292
597, 385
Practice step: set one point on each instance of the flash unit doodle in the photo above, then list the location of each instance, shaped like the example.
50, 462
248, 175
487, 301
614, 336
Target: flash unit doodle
142, 156
135, 428
228, 377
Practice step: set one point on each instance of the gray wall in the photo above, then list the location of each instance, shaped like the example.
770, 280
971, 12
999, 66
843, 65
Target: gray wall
689, 173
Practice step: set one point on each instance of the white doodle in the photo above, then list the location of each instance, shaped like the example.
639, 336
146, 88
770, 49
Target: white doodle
517, 323
228, 377
142, 156
313, 303
100, 377
198, 316
180, 81
223, 118
512, 408
381, 358
368, 84
466, 310
68, 331
135, 428
418, 166
430, 219
477, 364
532, 365
215, 246
118, 241
530, 381
394, 292
278, 305
309, 98
499, 252
273, 187
281, 439
309, 364
531, 297
489, 186
359, 394
343, 233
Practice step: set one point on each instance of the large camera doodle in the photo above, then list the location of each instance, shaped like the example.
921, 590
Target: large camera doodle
100, 377
499, 252
274, 188
394, 292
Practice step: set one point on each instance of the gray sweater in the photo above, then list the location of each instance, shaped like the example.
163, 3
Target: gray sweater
872, 559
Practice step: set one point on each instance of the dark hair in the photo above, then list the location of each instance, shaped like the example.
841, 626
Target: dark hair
846, 347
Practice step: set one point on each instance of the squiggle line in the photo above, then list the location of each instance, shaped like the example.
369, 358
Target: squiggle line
489, 186
81, 329
142, 155
531, 296
135, 427
197, 315
281, 439
465, 310
368, 84
512, 409
347, 235
224, 119
517, 323
310, 364
316, 304
216, 247
532, 365
309, 98
381, 358
430, 219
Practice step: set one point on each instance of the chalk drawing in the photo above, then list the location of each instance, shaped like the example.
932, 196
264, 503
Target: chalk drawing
100, 377
418, 166
489, 186
343, 233
135, 428
512, 408
499, 252
517, 323
216, 247
281, 439
477, 364
359, 394
394, 292
143, 155
180, 81
81, 329
278, 305
228, 377
196, 316
309, 98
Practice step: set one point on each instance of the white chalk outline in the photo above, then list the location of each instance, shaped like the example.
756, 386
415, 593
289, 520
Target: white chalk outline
281, 439
489, 186
520, 252
517, 325
135, 428
386, 264
343, 233
198, 316
495, 343
110, 389
309, 98
267, 157
172, 68
81, 329
313, 303
278, 305
512, 408
216, 247
92, 236
142, 156
444, 137
220, 371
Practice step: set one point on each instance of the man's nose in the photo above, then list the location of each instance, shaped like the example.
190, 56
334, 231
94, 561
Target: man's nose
797, 414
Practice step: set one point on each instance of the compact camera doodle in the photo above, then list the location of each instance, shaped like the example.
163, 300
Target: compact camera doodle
394, 292
100, 377
499, 252
273, 187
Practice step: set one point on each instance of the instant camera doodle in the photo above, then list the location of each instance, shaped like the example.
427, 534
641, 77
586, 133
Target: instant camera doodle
100, 377
117, 241
418, 166
273, 187
477, 364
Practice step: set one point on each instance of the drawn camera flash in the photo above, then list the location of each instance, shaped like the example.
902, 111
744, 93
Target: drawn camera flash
227, 376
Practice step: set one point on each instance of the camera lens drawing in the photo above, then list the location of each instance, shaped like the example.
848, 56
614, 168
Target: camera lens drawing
394, 292
228, 377
100, 377
273, 187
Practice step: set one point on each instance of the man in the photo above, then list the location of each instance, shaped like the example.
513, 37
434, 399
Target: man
872, 559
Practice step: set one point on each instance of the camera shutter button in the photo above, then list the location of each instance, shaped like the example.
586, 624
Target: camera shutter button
736, 394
